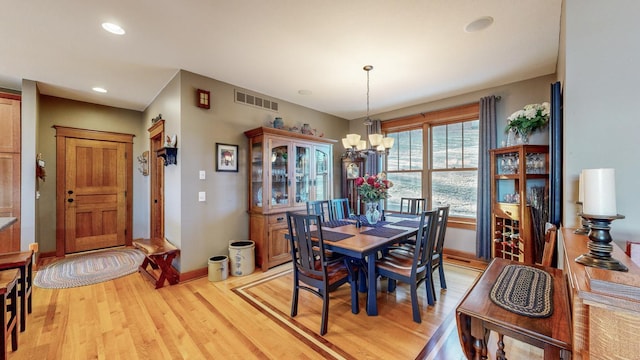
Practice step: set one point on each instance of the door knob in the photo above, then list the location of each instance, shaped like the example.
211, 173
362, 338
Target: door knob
70, 192
70, 200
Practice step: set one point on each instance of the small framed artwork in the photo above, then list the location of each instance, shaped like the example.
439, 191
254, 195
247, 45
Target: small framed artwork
226, 157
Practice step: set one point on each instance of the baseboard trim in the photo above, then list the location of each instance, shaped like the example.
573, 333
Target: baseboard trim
46, 254
194, 274
465, 258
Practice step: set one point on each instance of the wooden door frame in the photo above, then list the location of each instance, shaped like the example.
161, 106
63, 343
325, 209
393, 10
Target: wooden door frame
62, 133
156, 131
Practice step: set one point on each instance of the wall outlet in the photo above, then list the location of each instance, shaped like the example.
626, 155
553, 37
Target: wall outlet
202, 196
203, 174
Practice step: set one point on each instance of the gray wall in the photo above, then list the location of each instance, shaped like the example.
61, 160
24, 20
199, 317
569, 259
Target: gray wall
28, 208
601, 120
204, 229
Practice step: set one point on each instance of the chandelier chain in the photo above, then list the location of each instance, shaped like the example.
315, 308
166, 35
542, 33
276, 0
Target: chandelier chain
367, 68
367, 94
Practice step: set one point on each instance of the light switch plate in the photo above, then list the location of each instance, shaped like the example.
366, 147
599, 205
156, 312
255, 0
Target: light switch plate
203, 174
202, 196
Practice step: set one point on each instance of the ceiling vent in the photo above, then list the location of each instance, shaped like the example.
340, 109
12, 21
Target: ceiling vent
252, 100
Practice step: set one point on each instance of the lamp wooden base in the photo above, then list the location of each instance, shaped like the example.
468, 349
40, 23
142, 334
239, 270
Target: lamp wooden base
600, 244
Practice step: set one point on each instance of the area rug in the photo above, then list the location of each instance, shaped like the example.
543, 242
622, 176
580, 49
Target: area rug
88, 269
432, 339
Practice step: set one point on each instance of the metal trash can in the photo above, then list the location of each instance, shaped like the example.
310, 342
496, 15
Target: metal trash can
218, 268
242, 255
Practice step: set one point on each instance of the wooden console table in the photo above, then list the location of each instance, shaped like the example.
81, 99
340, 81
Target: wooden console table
477, 315
605, 303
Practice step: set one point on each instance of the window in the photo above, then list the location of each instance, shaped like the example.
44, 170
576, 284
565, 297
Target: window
454, 174
436, 157
404, 167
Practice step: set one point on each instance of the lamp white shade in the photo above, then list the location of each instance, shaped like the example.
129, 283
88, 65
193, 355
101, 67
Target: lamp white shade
345, 143
362, 145
375, 139
388, 142
599, 192
354, 139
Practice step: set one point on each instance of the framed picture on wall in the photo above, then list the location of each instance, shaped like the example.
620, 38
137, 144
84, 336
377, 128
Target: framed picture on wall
226, 157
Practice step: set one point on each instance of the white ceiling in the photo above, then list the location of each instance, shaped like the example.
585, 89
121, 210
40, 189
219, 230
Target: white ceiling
419, 49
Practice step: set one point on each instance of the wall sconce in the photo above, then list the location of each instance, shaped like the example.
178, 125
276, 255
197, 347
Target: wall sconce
203, 98
143, 163
40, 172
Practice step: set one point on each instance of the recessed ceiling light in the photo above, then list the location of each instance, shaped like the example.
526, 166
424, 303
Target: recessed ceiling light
99, 89
304, 92
113, 28
479, 24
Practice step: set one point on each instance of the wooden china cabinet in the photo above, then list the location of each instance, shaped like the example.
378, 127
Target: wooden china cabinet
286, 169
517, 171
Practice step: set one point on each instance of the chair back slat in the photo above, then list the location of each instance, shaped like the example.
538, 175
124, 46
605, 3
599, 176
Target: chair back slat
425, 242
321, 208
304, 252
412, 205
550, 234
340, 209
443, 217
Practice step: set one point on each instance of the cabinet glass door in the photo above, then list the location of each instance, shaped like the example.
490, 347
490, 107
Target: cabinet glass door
279, 174
256, 175
322, 179
303, 174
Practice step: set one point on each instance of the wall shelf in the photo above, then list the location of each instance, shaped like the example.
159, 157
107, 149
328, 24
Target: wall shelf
169, 154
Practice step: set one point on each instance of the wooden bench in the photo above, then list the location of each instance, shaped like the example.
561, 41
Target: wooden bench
23, 261
9, 310
159, 253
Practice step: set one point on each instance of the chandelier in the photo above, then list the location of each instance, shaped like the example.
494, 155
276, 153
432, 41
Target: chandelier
355, 147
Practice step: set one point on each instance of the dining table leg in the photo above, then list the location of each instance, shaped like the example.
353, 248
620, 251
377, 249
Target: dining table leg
372, 288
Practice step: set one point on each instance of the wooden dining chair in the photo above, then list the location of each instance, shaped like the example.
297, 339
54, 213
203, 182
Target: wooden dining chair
550, 235
412, 206
413, 267
321, 208
312, 270
437, 258
340, 209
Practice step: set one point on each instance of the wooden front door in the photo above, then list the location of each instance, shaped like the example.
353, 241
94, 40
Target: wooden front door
94, 183
95, 207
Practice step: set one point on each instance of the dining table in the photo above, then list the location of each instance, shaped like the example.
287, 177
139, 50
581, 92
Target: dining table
363, 242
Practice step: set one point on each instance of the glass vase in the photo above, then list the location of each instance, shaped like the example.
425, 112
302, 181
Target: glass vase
512, 135
523, 137
372, 213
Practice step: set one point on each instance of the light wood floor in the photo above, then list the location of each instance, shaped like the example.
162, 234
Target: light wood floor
239, 318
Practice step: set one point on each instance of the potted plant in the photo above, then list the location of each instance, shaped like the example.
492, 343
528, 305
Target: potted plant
531, 118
